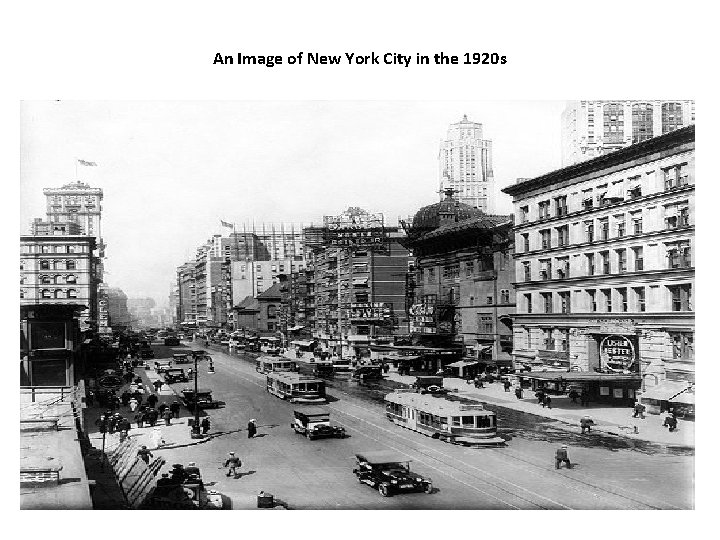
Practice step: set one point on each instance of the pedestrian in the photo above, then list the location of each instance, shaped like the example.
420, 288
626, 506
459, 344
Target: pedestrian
152, 400
540, 395
547, 402
125, 398
116, 402
205, 424
190, 373
140, 418
145, 454
561, 456
128, 376
175, 408
519, 392
133, 404
507, 385
103, 423
639, 410
177, 474
157, 437
167, 416
90, 398
161, 408
252, 428
232, 463
158, 385
151, 416
124, 424
385, 368
585, 423
670, 422
573, 395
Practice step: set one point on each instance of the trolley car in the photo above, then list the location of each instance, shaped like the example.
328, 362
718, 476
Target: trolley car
296, 388
269, 364
451, 419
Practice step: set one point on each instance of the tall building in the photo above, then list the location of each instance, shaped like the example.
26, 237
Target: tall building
594, 128
117, 307
77, 202
605, 272
466, 165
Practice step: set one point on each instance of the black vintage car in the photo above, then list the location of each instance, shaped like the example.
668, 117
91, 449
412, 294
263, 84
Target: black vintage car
389, 473
173, 375
200, 355
314, 423
203, 398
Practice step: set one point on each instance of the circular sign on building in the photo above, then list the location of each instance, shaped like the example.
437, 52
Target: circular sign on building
617, 354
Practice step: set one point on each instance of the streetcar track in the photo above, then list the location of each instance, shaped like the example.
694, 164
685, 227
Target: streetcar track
586, 488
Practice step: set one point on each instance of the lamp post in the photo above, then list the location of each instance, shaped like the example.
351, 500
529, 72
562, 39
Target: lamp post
195, 434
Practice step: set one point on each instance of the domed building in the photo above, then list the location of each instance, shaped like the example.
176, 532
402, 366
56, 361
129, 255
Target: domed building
461, 295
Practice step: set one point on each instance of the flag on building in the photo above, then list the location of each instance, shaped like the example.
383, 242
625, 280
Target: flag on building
226, 224
87, 163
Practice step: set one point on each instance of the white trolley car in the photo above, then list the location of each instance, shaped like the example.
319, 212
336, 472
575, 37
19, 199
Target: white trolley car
269, 364
296, 388
451, 419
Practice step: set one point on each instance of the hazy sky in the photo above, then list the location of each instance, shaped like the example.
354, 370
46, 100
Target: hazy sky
171, 170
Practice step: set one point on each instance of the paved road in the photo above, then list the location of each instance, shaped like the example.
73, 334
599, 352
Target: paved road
318, 474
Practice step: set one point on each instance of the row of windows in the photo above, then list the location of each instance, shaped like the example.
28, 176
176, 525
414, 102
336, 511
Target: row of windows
678, 254
46, 248
56, 293
675, 176
615, 300
48, 280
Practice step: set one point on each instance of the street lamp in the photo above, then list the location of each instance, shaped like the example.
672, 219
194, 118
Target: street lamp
195, 433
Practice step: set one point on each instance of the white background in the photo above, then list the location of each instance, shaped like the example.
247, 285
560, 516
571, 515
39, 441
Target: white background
556, 50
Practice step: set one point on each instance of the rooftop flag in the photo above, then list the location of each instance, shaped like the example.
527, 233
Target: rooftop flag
87, 163
226, 224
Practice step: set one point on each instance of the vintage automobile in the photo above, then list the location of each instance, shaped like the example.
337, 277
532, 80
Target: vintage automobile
190, 495
314, 423
200, 355
146, 354
181, 358
367, 373
162, 365
389, 473
173, 375
322, 369
171, 341
429, 384
203, 398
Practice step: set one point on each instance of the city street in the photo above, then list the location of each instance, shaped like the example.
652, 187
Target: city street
317, 474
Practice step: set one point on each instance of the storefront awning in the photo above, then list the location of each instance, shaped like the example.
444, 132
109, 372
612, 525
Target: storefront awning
462, 363
687, 398
666, 391
579, 376
295, 328
301, 343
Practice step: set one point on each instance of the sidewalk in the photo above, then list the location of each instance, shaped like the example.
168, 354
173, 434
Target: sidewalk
612, 420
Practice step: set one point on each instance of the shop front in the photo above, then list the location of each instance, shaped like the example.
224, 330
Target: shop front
608, 388
678, 396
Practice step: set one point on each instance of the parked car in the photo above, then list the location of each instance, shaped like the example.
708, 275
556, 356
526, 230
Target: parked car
203, 398
314, 423
429, 384
181, 358
162, 365
389, 474
368, 373
173, 375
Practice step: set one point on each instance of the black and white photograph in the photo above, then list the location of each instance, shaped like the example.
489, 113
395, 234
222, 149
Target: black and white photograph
358, 305
398, 269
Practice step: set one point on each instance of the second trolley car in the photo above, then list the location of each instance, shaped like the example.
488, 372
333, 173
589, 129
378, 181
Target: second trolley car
269, 364
451, 419
296, 388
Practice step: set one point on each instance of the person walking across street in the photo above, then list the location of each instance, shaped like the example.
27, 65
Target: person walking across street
547, 401
252, 428
585, 423
167, 415
639, 410
232, 463
670, 422
175, 408
519, 392
151, 417
157, 384
540, 395
573, 395
140, 418
507, 384
205, 424
133, 404
145, 454
152, 400
561, 456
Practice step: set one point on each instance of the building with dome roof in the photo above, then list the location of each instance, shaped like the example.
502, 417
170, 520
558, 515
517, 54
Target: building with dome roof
461, 295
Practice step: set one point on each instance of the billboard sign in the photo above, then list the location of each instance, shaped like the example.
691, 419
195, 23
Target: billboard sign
354, 228
617, 354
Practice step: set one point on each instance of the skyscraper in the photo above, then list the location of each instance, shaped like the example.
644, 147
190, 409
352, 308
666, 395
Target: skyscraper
593, 128
466, 165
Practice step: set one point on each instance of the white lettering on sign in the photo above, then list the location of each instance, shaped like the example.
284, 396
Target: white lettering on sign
617, 354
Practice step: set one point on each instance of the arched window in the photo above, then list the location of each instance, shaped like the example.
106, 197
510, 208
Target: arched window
57, 265
58, 293
44, 265
58, 280
46, 249
59, 249
70, 265
72, 293
71, 279
46, 293
45, 280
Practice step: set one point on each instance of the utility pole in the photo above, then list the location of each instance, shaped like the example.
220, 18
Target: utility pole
195, 434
